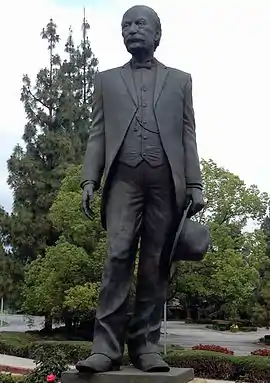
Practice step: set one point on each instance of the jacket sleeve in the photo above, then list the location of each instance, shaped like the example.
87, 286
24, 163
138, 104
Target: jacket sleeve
94, 160
192, 163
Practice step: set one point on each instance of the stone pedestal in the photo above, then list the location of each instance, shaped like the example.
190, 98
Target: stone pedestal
130, 375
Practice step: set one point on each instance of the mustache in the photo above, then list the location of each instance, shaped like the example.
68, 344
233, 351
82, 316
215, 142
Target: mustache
131, 39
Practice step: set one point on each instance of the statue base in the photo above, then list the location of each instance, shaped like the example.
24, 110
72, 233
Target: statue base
130, 375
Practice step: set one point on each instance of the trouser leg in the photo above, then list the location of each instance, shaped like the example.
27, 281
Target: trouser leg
152, 279
124, 213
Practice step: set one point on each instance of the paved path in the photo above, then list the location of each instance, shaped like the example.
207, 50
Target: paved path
179, 333
20, 323
188, 335
7, 360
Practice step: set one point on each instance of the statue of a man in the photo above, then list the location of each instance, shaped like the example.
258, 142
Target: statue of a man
142, 141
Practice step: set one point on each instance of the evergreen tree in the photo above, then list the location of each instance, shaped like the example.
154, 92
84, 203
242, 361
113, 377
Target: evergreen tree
266, 229
58, 109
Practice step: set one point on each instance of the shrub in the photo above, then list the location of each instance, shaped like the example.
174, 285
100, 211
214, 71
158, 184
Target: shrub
253, 369
213, 365
219, 327
47, 363
248, 329
73, 351
230, 326
20, 350
205, 364
261, 352
15, 343
234, 328
8, 378
204, 321
213, 347
265, 339
25, 345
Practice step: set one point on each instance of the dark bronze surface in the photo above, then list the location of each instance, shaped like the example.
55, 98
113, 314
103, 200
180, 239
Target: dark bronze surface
143, 142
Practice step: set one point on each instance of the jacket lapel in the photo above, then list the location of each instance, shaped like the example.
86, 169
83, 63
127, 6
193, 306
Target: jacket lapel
161, 76
126, 73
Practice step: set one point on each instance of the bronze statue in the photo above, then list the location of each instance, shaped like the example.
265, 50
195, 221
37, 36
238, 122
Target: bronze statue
142, 141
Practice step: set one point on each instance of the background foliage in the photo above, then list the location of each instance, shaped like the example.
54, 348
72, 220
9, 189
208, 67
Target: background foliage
51, 257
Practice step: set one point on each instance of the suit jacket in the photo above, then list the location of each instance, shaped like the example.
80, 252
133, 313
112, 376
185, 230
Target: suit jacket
114, 105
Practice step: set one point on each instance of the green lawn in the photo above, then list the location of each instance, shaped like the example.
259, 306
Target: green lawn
17, 339
23, 339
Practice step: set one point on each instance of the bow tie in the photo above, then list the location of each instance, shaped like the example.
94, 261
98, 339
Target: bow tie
147, 64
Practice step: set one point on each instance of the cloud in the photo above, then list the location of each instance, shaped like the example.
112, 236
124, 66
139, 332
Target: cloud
222, 44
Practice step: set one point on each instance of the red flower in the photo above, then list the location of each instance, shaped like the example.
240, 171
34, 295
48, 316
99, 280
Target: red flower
261, 352
51, 378
213, 347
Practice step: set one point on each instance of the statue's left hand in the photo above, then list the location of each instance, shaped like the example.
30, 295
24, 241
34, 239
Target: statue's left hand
196, 196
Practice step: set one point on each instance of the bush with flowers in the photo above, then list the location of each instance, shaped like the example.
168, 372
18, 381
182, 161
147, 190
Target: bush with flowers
49, 367
208, 362
51, 378
213, 347
261, 352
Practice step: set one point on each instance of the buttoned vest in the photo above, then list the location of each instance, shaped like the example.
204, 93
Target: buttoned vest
142, 141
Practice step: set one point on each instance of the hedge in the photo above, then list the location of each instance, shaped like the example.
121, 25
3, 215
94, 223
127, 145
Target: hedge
8, 378
209, 365
206, 364
213, 365
74, 350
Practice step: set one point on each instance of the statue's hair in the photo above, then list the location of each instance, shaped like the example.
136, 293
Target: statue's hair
156, 20
158, 26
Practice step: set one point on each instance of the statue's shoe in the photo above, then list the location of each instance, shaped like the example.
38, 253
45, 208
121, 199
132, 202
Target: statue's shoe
150, 363
97, 363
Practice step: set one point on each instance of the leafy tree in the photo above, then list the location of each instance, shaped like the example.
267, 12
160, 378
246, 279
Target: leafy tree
66, 215
67, 218
79, 255
266, 230
229, 200
58, 115
229, 275
54, 282
81, 300
10, 279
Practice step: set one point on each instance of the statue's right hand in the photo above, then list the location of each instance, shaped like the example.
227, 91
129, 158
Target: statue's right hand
87, 198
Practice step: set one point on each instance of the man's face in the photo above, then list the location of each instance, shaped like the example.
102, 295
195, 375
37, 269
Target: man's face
139, 30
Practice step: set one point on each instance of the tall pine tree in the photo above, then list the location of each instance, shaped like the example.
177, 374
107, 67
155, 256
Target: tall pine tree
58, 111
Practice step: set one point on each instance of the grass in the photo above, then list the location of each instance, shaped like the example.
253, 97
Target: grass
17, 339
22, 339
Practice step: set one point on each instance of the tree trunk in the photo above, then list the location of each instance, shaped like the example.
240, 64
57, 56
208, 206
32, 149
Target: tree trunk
188, 314
69, 328
48, 323
2, 311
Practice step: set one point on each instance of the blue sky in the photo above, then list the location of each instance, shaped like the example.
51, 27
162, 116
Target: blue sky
223, 44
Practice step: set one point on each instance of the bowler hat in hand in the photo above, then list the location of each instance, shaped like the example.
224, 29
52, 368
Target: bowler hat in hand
192, 240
